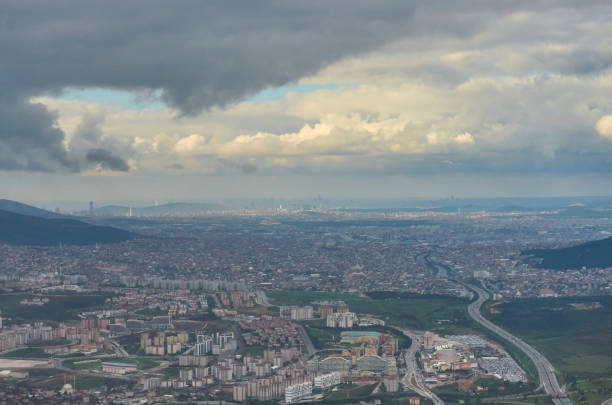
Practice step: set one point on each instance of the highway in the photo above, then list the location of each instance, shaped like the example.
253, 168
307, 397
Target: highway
310, 349
119, 350
413, 379
546, 371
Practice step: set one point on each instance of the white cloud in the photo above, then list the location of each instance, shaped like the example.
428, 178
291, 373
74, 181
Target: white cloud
360, 125
465, 138
604, 126
193, 144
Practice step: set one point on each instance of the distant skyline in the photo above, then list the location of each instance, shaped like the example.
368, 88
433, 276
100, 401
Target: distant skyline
146, 100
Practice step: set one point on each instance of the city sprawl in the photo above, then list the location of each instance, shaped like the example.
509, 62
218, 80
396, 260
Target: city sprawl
286, 305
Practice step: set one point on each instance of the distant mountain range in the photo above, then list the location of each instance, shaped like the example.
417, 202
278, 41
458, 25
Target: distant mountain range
591, 254
22, 224
170, 209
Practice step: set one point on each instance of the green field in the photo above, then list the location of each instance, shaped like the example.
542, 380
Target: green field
81, 364
171, 371
593, 391
61, 307
322, 337
252, 351
91, 382
54, 379
355, 394
142, 363
442, 314
87, 382
573, 333
26, 353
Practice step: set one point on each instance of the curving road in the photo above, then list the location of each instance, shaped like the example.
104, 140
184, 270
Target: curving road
546, 371
413, 379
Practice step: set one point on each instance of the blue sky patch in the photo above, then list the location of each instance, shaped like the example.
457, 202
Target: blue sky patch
140, 100
276, 93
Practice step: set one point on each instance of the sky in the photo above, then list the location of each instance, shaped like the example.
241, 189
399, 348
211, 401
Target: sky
141, 100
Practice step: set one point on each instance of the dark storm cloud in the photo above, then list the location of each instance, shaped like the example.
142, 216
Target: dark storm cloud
28, 139
198, 54
107, 160
91, 148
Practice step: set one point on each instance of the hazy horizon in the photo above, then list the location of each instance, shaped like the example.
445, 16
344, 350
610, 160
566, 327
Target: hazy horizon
487, 203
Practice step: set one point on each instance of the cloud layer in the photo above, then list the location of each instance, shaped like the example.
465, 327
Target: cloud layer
198, 54
506, 88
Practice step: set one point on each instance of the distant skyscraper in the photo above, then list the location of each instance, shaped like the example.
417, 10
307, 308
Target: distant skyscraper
91, 209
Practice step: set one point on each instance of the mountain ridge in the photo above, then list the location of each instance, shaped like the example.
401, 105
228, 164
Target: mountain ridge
30, 210
597, 253
22, 230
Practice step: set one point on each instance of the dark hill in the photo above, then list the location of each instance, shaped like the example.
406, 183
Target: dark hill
591, 254
24, 209
17, 229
